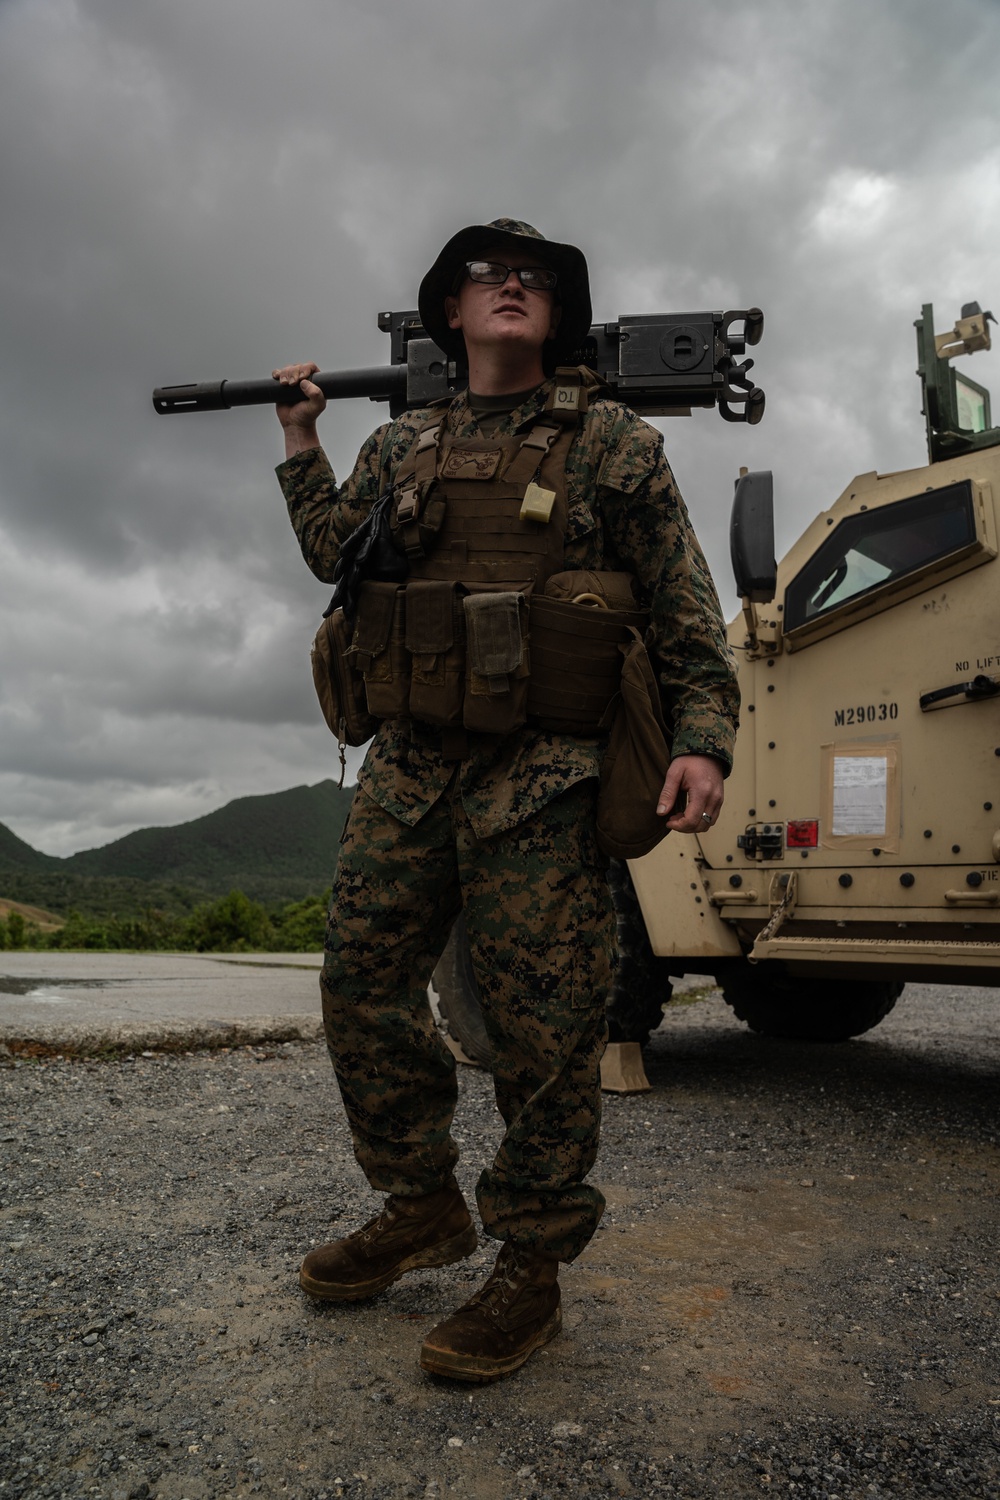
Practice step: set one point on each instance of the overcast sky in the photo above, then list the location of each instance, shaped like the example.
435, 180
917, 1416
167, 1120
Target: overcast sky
207, 188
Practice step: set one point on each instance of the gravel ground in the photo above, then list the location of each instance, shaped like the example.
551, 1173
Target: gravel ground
793, 1291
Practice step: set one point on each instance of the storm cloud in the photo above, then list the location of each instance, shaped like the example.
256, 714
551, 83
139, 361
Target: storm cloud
196, 191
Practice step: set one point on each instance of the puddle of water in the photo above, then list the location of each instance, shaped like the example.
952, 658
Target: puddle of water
35, 988
46, 997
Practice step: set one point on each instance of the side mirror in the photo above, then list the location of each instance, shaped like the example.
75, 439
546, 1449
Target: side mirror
751, 537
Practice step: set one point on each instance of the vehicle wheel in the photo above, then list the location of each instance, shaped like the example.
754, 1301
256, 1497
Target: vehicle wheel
458, 996
641, 985
806, 1010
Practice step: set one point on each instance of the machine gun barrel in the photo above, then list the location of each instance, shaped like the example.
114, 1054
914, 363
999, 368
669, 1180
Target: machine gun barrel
660, 364
382, 383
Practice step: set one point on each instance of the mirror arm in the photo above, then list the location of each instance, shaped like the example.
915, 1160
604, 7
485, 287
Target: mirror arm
750, 615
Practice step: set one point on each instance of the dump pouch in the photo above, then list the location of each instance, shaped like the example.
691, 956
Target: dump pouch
590, 586
435, 642
340, 691
378, 650
496, 678
576, 661
635, 764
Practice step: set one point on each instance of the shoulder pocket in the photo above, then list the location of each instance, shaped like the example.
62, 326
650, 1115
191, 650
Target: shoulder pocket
583, 545
580, 521
635, 458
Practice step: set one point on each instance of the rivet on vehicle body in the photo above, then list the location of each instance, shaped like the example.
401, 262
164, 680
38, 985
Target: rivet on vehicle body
876, 852
770, 744
987, 807
973, 878
845, 880
928, 834
736, 881
772, 803
907, 879
956, 848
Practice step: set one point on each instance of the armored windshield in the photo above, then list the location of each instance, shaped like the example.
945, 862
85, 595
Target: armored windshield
870, 552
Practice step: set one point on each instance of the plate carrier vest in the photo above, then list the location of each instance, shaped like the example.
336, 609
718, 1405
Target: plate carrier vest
484, 635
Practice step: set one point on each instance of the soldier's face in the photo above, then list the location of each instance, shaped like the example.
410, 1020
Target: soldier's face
488, 314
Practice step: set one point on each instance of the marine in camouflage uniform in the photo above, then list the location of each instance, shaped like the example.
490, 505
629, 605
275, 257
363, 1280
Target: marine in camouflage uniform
508, 835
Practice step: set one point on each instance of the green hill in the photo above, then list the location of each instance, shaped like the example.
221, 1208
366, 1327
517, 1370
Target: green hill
274, 848
15, 854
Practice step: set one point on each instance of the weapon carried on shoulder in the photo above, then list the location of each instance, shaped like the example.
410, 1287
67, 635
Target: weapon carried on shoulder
659, 364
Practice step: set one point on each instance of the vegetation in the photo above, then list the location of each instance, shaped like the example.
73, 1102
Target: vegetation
146, 888
242, 879
276, 848
104, 896
233, 924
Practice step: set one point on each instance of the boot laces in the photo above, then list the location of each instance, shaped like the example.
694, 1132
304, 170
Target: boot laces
382, 1222
505, 1281
377, 1225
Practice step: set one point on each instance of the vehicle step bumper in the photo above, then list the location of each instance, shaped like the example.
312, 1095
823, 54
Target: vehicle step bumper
939, 954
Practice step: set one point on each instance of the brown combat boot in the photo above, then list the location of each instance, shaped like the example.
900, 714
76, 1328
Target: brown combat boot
433, 1230
515, 1313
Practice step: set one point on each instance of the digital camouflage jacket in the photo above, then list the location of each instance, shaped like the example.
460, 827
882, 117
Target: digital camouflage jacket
625, 514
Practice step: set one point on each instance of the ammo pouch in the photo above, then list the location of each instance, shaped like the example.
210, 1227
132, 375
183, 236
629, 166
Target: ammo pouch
378, 652
435, 648
436, 653
340, 691
577, 627
496, 661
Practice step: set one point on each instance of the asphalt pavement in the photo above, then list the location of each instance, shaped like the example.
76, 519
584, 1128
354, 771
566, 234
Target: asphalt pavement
103, 1002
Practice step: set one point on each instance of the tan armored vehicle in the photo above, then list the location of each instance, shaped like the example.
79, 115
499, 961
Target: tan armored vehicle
859, 845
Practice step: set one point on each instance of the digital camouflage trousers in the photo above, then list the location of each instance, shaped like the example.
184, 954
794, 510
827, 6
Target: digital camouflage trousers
540, 926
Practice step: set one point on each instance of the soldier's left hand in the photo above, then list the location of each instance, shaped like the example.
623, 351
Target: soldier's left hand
693, 789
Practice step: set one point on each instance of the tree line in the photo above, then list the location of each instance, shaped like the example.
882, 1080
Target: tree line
232, 924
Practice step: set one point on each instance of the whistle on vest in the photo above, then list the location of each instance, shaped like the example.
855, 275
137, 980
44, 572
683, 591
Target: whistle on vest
537, 504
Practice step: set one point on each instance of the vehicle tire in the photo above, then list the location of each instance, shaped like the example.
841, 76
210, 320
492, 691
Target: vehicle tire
458, 996
806, 1010
641, 985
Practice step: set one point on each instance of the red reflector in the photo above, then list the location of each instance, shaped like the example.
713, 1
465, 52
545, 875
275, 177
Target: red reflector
802, 834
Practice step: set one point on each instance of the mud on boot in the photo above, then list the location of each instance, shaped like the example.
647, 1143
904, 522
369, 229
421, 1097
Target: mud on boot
410, 1233
515, 1313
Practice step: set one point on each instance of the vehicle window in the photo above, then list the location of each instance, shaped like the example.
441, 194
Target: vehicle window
870, 552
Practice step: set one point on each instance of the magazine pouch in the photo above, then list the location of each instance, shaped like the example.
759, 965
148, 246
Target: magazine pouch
435, 642
378, 651
496, 675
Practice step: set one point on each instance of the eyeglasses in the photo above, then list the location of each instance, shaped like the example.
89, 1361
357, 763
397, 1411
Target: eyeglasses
535, 278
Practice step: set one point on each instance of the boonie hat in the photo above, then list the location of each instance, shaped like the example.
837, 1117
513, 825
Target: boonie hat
471, 243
